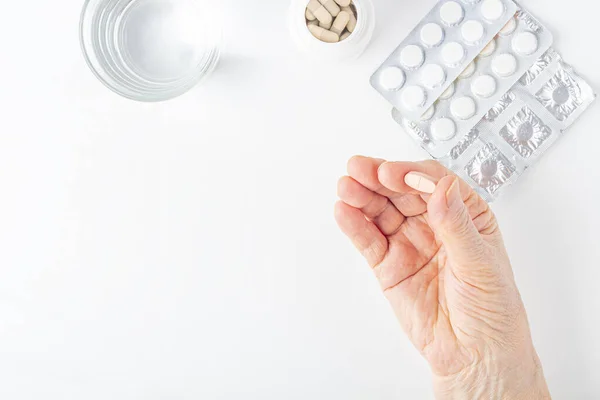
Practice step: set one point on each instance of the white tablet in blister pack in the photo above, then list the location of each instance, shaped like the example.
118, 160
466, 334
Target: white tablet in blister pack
438, 50
483, 82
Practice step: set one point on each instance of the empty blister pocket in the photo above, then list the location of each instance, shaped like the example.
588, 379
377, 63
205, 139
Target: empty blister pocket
521, 126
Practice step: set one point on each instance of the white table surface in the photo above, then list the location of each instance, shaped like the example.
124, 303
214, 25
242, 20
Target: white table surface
187, 250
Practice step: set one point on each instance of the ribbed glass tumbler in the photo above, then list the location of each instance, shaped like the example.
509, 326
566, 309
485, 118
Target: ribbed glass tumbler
150, 50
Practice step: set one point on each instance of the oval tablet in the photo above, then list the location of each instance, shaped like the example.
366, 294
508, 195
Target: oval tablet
492, 10
392, 78
504, 65
432, 75
412, 56
472, 31
525, 43
463, 108
452, 13
453, 53
484, 86
443, 129
413, 97
432, 35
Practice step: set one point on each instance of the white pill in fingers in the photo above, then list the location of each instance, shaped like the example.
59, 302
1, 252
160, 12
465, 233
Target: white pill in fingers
453, 53
492, 10
525, 43
443, 129
468, 72
484, 86
432, 75
412, 56
413, 97
504, 65
488, 50
452, 13
509, 28
472, 31
449, 92
432, 35
463, 108
392, 78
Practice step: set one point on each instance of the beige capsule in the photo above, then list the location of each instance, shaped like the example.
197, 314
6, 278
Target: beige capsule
352, 22
309, 15
325, 26
323, 35
420, 182
331, 6
345, 35
320, 13
343, 3
340, 22
313, 22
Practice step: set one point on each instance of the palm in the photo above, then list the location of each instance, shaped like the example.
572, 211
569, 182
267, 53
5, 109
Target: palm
413, 270
420, 300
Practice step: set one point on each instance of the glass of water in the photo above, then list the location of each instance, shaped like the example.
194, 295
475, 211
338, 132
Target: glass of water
150, 50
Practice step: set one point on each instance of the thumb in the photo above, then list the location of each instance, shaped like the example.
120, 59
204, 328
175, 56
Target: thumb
450, 220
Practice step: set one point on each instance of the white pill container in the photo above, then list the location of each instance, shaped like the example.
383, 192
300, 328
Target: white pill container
351, 47
150, 50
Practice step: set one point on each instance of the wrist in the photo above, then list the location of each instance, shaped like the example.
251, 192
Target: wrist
489, 379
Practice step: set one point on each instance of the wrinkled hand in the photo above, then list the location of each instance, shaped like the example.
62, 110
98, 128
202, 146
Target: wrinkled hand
442, 264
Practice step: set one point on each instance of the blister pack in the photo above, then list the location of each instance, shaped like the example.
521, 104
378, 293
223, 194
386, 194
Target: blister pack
438, 50
521, 126
483, 83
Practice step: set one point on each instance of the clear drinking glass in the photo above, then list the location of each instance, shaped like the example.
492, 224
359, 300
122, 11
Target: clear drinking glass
150, 50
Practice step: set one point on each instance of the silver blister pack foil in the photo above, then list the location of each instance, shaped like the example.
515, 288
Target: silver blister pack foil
489, 168
525, 132
433, 53
519, 129
482, 67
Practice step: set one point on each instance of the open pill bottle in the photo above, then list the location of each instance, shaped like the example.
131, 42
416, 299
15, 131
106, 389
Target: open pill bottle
150, 50
350, 47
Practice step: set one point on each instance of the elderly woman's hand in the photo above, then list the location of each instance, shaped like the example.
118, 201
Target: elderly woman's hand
441, 262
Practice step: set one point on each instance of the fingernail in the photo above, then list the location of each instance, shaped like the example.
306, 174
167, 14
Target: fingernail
453, 197
421, 182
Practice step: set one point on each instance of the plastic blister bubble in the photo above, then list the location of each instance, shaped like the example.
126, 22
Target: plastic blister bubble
450, 36
561, 95
525, 132
520, 127
489, 168
481, 90
493, 119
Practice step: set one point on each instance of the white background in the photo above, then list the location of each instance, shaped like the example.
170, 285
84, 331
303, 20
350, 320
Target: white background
187, 250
